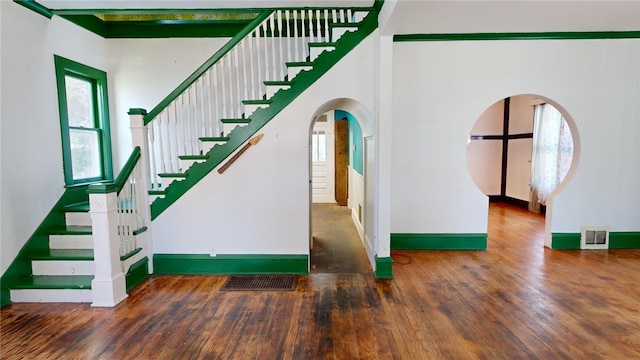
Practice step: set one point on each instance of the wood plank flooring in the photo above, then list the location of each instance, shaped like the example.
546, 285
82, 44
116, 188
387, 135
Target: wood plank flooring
516, 300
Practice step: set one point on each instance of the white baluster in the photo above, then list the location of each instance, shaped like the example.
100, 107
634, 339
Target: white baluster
334, 17
210, 97
252, 70
215, 98
182, 122
163, 167
189, 122
289, 47
238, 104
318, 29
202, 110
273, 46
244, 63
176, 140
349, 15
152, 155
342, 15
223, 88
327, 37
281, 58
310, 20
267, 71
170, 158
301, 54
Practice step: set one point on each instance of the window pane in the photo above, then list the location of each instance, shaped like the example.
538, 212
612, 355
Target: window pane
85, 154
79, 102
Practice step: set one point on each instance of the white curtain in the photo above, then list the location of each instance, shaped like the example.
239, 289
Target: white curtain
551, 156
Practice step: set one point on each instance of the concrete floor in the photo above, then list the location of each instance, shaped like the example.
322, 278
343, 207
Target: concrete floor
336, 245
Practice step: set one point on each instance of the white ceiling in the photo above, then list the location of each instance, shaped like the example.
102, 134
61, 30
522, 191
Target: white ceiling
427, 17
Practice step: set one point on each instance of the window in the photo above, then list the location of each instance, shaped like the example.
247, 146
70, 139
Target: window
318, 146
84, 122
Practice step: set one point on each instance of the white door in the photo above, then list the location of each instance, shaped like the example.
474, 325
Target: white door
322, 160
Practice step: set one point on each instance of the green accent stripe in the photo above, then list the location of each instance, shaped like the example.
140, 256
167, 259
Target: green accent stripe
137, 273
32, 5
568, 35
624, 240
464, 241
384, 268
262, 116
565, 241
159, 11
230, 264
137, 111
206, 66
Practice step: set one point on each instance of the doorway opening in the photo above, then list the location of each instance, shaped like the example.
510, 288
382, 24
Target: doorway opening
337, 191
521, 152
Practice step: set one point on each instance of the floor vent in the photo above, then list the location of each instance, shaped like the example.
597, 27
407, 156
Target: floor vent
594, 238
259, 282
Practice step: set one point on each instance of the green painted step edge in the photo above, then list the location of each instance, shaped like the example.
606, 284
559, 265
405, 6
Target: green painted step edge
563, 35
193, 157
78, 207
173, 175
64, 254
137, 273
235, 121
277, 83
344, 25
71, 282
322, 44
440, 241
299, 63
230, 264
256, 102
262, 116
214, 138
21, 265
126, 256
156, 192
384, 269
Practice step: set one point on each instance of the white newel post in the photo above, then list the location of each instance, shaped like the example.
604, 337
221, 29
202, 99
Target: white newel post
139, 137
109, 285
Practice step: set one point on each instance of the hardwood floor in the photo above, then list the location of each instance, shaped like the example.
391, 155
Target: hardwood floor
516, 300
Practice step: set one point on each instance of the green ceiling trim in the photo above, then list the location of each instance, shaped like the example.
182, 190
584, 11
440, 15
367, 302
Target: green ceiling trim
32, 5
186, 11
567, 35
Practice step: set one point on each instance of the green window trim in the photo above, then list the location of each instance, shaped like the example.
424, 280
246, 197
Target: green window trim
98, 80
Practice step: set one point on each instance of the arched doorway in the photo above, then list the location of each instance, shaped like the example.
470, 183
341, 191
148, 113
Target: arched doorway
345, 123
522, 151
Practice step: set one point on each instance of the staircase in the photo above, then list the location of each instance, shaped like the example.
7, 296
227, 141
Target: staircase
239, 90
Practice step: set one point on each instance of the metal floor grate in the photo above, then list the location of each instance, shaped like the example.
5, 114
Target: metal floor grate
259, 282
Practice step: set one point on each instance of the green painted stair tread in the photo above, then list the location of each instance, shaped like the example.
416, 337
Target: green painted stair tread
77, 207
62, 254
156, 192
256, 102
299, 63
215, 139
344, 25
74, 282
172, 175
71, 230
322, 44
238, 137
235, 121
193, 157
277, 83
130, 254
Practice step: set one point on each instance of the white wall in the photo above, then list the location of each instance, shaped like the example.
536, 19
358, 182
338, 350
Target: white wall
32, 176
142, 72
260, 205
595, 81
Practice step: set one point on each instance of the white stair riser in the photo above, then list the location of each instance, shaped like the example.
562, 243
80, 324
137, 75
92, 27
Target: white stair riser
70, 241
62, 267
169, 180
292, 71
187, 163
250, 109
316, 51
51, 295
359, 16
77, 219
228, 128
336, 33
273, 89
152, 198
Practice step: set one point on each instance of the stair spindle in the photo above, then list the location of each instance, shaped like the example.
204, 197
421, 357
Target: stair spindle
326, 26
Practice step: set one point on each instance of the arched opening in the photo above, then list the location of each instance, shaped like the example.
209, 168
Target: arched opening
340, 231
521, 152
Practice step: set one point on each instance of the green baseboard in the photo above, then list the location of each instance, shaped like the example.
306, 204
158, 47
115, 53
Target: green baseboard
137, 273
624, 240
617, 240
5, 297
565, 241
465, 241
230, 264
384, 268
